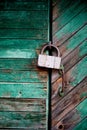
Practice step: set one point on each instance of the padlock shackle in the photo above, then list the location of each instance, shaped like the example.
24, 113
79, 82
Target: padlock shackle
49, 46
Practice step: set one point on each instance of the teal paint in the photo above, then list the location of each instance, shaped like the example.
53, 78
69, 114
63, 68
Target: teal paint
29, 90
24, 29
72, 26
82, 109
69, 14
21, 44
83, 49
18, 53
23, 5
79, 72
77, 38
82, 125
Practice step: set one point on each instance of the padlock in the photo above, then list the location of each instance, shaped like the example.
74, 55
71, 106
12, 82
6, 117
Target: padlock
47, 61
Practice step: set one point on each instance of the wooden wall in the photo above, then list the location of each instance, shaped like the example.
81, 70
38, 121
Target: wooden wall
23, 86
70, 35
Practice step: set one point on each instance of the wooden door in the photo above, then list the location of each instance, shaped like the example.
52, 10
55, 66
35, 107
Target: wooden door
24, 29
70, 35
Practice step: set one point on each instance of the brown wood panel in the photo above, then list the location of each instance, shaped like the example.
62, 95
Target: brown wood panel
72, 99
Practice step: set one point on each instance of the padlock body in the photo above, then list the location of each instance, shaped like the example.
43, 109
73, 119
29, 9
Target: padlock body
49, 61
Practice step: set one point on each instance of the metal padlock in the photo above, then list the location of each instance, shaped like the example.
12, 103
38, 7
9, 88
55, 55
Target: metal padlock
47, 61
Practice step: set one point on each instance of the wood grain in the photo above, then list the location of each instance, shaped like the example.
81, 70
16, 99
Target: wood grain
74, 118
69, 102
68, 15
23, 5
73, 77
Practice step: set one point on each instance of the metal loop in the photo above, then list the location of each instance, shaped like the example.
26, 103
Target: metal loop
49, 46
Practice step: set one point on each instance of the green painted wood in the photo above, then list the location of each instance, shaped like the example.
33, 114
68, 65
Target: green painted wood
72, 58
10, 75
73, 26
75, 118
22, 90
19, 53
73, 77
73, 42
67, 112
82, 125
59, 7
24, 64
24, 33
24, 30
23, 105
79, 72
22, 43
24, 15
68, 15
24, 19
23, 5
22, 119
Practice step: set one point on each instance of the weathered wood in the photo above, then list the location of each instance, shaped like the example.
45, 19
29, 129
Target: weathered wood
19, 53
82, 125
69, 102
14, 64
24, 15
20, 104
24, 19
22, 119
9, 75
59, 7
74, 76
23, 5
24, 33
74, 56
71, 59
22, 90
73, 42
73, 118
23, 86
72, 27
22, 43
67, 16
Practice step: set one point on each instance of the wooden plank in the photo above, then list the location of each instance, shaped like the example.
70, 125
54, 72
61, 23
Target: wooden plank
23, 90
24, 33
18, 23
23, 5
59, 7
24, 0
14, 64
10, 75
73, 42
71, 59
23, 128
18, 53
71, 120
22, 105
67, 16
24, 15
82, 125
72, 27
73, 77
24, 19
22, 44
69, 102
22, 119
